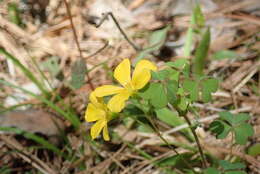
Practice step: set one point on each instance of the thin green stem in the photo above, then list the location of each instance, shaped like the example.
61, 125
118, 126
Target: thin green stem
204, 163
167, 143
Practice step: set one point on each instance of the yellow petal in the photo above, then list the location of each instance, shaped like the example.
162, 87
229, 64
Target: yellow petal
117, 102
122, 72
93, 113
141, 79
105, 133
106, 90
93, 98
143, 64
142, 74
96, 128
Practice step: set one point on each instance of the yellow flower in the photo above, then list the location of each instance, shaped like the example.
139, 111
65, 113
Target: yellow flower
97, 111
122, 74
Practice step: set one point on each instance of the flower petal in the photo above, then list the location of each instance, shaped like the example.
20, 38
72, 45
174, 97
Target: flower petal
93, 113
117, 102
122, 72
106, 133
106, 90
141, 79
96, 128
143, 64
96, 101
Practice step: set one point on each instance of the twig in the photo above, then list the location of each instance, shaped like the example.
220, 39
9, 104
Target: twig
76, 40
98, 51
26, 156
105, 16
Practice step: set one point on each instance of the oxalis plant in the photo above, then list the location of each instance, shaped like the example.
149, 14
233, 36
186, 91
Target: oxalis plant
168, 94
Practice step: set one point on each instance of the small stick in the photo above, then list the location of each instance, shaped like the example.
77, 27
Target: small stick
76, 40
105, 16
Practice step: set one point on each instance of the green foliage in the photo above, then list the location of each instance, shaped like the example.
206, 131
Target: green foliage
208, 86
170, 117
5, 170
254, 150
226, 168
234, 123
224, 54
201, 54
156, 41
67, 115
78, 70
52, 66
26, 71
178, 161
156, 94
14, 14
192, 87
197, 21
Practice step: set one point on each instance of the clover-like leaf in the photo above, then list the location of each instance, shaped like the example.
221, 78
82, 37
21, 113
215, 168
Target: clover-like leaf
211, 170
242, 132
192, 87
208, 86
235, 123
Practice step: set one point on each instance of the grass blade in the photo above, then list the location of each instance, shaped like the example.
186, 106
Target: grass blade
70, 117
26, 72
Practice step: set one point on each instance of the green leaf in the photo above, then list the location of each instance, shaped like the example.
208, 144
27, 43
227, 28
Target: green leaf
160, 75
188, 42
192, 87
254, 150
177, 161
156, 94
183, 103
208, 86
172, 88
157, 38
169, 117
179, 63
79, 70
159, 98
211, 170
242, 132
228, 116
224, 54
235, 172
52, 66
239, 118
226, 165
238, 125
14, 14
145, 128
156, 41
198, 16
220, 128
201, 54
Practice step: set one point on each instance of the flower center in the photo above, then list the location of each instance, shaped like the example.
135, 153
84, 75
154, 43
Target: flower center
129, 87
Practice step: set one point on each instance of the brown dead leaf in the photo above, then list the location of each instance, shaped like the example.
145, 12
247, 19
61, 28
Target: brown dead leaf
34, 121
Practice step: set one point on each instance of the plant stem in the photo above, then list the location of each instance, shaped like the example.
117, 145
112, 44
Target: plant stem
204, 163
77, 42
167, 143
